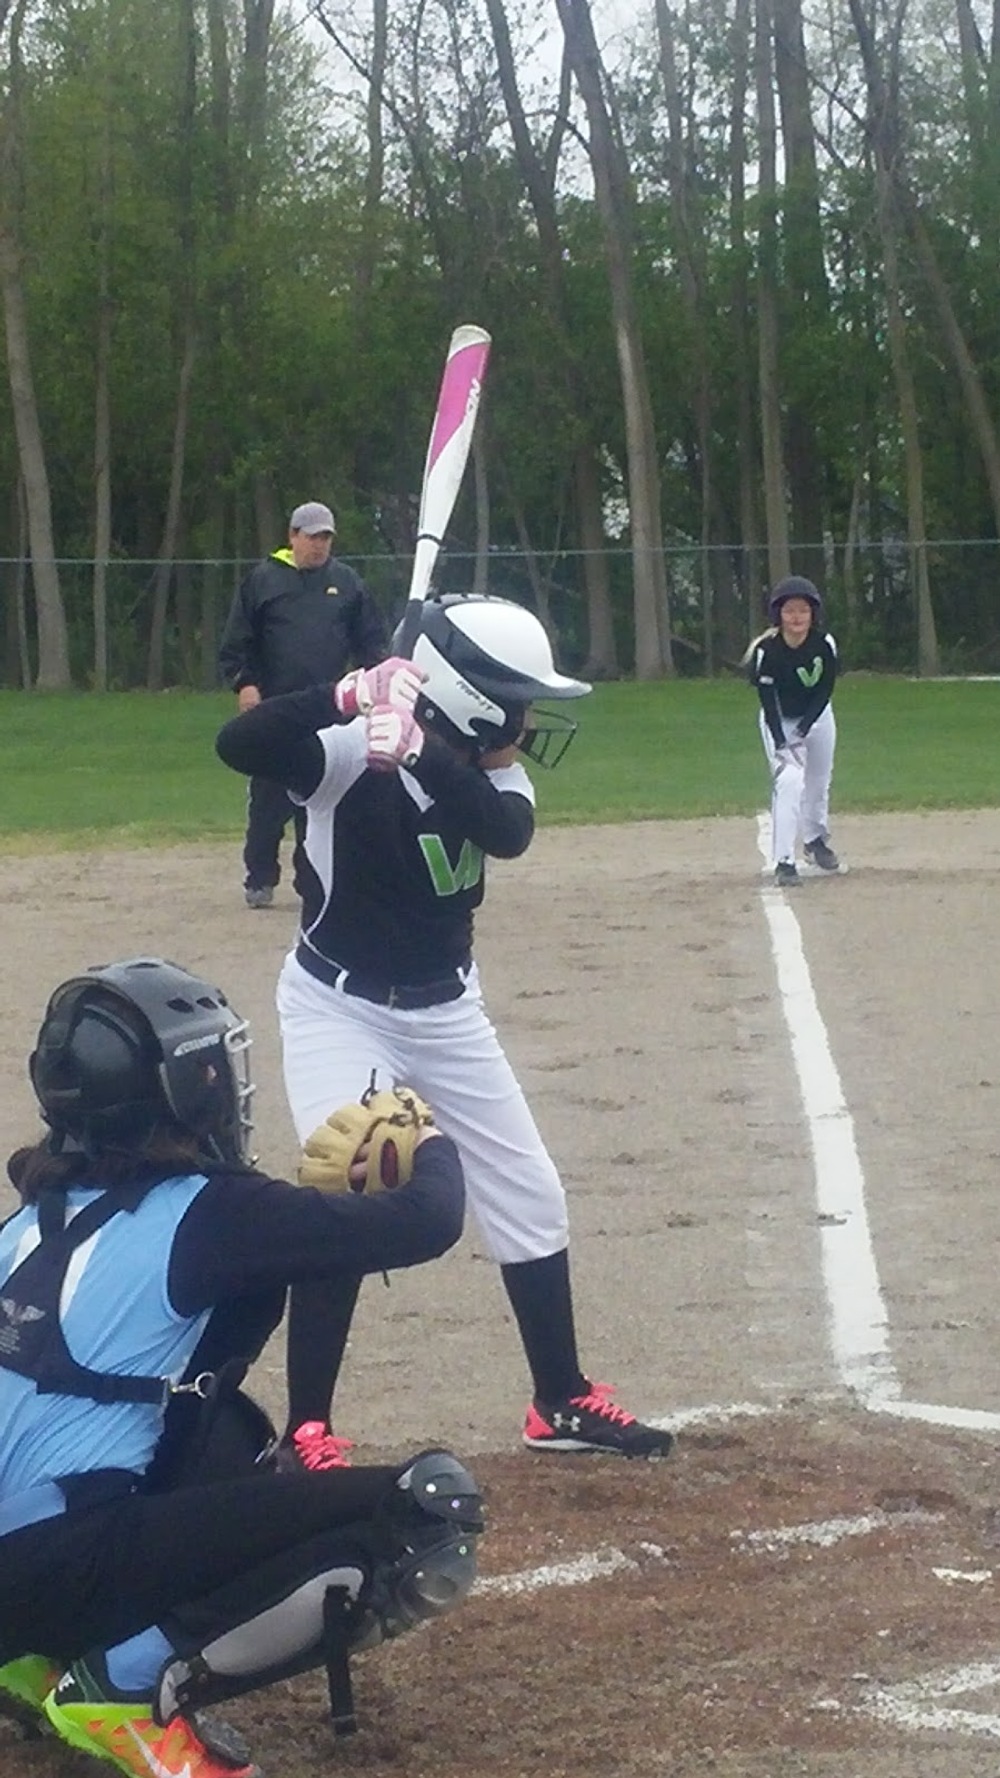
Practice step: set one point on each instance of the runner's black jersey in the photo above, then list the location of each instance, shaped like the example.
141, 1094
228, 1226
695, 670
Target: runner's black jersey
794, 683
397, 857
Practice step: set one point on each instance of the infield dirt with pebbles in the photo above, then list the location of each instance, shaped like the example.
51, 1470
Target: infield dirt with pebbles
630, 974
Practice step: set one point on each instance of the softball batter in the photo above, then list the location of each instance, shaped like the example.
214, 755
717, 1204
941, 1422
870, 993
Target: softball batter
403, 806
793, 664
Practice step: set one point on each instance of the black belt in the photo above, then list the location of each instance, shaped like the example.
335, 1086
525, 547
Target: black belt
408, 997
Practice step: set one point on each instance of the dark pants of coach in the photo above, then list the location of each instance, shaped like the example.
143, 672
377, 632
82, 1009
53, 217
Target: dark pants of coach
269, 810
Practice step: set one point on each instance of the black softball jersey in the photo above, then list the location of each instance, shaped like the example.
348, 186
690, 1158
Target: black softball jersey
396, 858
794, 684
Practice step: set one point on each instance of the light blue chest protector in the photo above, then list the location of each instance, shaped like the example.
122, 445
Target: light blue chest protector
90, 1344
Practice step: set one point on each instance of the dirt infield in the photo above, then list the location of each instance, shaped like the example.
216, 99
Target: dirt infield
812, 1583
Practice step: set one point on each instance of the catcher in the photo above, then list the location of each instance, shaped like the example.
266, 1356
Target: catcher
152, 1561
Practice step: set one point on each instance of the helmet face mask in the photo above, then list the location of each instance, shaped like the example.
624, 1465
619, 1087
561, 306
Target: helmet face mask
486, 661
546, 736
134, 1044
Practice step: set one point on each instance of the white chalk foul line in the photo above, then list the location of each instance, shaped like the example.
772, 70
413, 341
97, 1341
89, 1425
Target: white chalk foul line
595, 1566
824, 1533
916, 1704
599, 1564
858, 1321
913, 1705
713, 1413
931, 1414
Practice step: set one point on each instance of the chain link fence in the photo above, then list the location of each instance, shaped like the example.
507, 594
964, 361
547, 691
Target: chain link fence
716, 602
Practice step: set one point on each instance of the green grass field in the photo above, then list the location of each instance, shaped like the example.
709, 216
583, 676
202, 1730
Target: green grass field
133, 768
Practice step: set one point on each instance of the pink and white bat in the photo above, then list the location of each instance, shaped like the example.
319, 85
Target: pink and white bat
447, 456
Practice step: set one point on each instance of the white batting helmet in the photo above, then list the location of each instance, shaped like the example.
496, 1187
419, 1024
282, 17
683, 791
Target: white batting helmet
486, 661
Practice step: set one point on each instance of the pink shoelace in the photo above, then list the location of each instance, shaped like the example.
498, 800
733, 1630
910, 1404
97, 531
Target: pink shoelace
316, 1448
598, 1401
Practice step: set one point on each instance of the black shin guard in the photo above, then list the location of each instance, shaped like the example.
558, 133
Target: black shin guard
413, 1560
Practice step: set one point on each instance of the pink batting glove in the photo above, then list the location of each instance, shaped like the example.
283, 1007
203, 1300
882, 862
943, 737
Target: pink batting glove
394, 681
395, 738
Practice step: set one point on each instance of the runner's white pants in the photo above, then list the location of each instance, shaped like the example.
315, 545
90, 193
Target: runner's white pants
451, 1055
800, 788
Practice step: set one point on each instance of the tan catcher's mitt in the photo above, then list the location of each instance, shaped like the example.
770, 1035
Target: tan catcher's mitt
387, 1124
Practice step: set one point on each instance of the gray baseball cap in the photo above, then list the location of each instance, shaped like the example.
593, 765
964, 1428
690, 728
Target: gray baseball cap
311, 518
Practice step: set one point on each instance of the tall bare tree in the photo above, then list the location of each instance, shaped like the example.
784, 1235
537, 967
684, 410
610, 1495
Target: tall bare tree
741, 357
883, 83
187, 329
538, 171
102, 363
803, 287
772, 452
615, 202
53, 642
691, 263
884, 133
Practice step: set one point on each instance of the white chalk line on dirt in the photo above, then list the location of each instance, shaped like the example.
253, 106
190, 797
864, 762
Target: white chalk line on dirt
915, 1703
703, 1416
854, 1297
599, 1564
858, 1319
824, 1533
859, 1327
931, 1414
594, 1566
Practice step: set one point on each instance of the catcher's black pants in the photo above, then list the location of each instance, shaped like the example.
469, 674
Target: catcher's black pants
269, 810
94, 1577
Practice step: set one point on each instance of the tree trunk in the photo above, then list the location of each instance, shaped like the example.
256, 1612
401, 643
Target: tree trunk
102, 489
481, 569
690, 246
213, 593
602, 648
20, 590
168, 545
850, 557
775, 503
539, 180
187, 307
365, 458
928, 662
804, 287
749, 573
884, 129
613, 188
970, 382
53, 639
539, 590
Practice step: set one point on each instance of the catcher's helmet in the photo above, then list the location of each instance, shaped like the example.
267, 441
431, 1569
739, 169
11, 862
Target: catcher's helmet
794, 586
486, 661
132, 1044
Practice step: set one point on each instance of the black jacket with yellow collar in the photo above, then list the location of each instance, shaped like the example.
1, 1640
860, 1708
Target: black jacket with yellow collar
290, 627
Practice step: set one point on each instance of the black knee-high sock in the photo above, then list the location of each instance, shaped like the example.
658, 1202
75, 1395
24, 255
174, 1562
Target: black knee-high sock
542, 1301
319, 1321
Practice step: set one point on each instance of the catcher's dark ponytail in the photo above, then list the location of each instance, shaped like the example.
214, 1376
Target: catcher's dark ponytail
165, 1152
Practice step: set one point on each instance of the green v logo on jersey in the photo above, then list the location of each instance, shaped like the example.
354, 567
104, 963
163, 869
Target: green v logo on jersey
446, 880
811, 675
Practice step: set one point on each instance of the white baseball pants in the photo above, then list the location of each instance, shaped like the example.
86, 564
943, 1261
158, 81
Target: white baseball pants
800, 785
451, 1055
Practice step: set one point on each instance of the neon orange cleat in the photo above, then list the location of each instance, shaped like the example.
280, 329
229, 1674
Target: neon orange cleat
126, 1734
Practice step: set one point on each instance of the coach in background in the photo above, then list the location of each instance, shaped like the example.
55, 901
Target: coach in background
300, 618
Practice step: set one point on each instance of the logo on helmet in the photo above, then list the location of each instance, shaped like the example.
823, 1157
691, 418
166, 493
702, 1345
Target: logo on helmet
198, 1043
